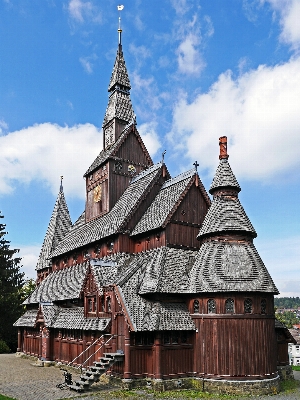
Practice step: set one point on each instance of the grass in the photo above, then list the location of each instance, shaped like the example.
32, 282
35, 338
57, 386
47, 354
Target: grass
289, 386
286, 387
296, 367
150, 394
2, 397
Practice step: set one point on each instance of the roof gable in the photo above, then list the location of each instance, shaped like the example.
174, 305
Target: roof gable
166, 202
113, 150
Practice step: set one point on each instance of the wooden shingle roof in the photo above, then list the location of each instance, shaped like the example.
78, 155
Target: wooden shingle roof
226, 267
166, 202
224, 177
60, 285
59, 225
112, 222
119, 74
119, 106
226, 215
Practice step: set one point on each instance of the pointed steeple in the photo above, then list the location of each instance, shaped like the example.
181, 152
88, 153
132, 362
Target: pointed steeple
59, 224
119, 111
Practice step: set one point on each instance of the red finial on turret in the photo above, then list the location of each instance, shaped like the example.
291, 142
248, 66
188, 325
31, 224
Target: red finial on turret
223, 148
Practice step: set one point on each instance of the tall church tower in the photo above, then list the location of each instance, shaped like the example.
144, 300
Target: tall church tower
124, 153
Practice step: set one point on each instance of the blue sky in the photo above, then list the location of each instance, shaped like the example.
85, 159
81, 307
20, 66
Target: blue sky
198, 69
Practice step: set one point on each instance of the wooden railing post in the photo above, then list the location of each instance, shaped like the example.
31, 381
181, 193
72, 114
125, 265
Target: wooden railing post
127, 366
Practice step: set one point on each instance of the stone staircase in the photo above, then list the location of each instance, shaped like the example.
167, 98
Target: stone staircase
91, 375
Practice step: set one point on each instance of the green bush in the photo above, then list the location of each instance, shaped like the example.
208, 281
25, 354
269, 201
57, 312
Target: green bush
296, 367
3, 347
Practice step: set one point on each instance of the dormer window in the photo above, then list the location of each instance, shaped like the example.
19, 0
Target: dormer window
91, 305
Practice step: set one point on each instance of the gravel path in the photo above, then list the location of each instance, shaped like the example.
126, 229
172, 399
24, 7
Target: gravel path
22, 380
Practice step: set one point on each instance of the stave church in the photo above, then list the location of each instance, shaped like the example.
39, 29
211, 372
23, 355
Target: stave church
157, 276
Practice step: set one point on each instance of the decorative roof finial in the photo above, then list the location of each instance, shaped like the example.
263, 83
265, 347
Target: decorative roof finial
163, 156
61, 189
196, 165
223, 148
120, 8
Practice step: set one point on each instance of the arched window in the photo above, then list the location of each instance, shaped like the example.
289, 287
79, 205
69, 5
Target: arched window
263, 306
196, 307
211, 306
229, 306
247, 306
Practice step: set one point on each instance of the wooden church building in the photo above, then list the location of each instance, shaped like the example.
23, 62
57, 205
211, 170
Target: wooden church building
154, 270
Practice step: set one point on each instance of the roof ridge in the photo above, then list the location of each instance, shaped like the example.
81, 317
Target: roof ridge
180, 177
145, 172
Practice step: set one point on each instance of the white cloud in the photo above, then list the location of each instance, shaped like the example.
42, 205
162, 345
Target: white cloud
281, 258
146, 89
87, 63
46, 151
138, 23
3, 126
80, 10
258, 111
188, 56
29, 255
190, 38
150, 137
289, 12
181, 6
140, 53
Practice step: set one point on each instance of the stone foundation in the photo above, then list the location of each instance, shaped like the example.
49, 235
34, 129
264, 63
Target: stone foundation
218, 386
285, 372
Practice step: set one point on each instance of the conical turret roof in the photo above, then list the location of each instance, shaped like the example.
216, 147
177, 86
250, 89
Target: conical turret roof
224, 177
60, 223
226, 214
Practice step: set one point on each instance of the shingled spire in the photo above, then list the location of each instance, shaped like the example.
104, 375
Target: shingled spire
227, 259
59, 225
119, 111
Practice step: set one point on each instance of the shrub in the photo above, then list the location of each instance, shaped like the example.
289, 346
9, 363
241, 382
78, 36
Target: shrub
3, 347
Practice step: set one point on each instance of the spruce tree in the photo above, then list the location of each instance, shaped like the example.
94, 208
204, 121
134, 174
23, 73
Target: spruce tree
11, 282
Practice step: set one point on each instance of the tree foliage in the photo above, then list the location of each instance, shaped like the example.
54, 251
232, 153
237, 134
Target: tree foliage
287, 302
11, 283
288, 318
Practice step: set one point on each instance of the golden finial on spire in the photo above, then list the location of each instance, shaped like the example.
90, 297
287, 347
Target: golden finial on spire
120, 8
